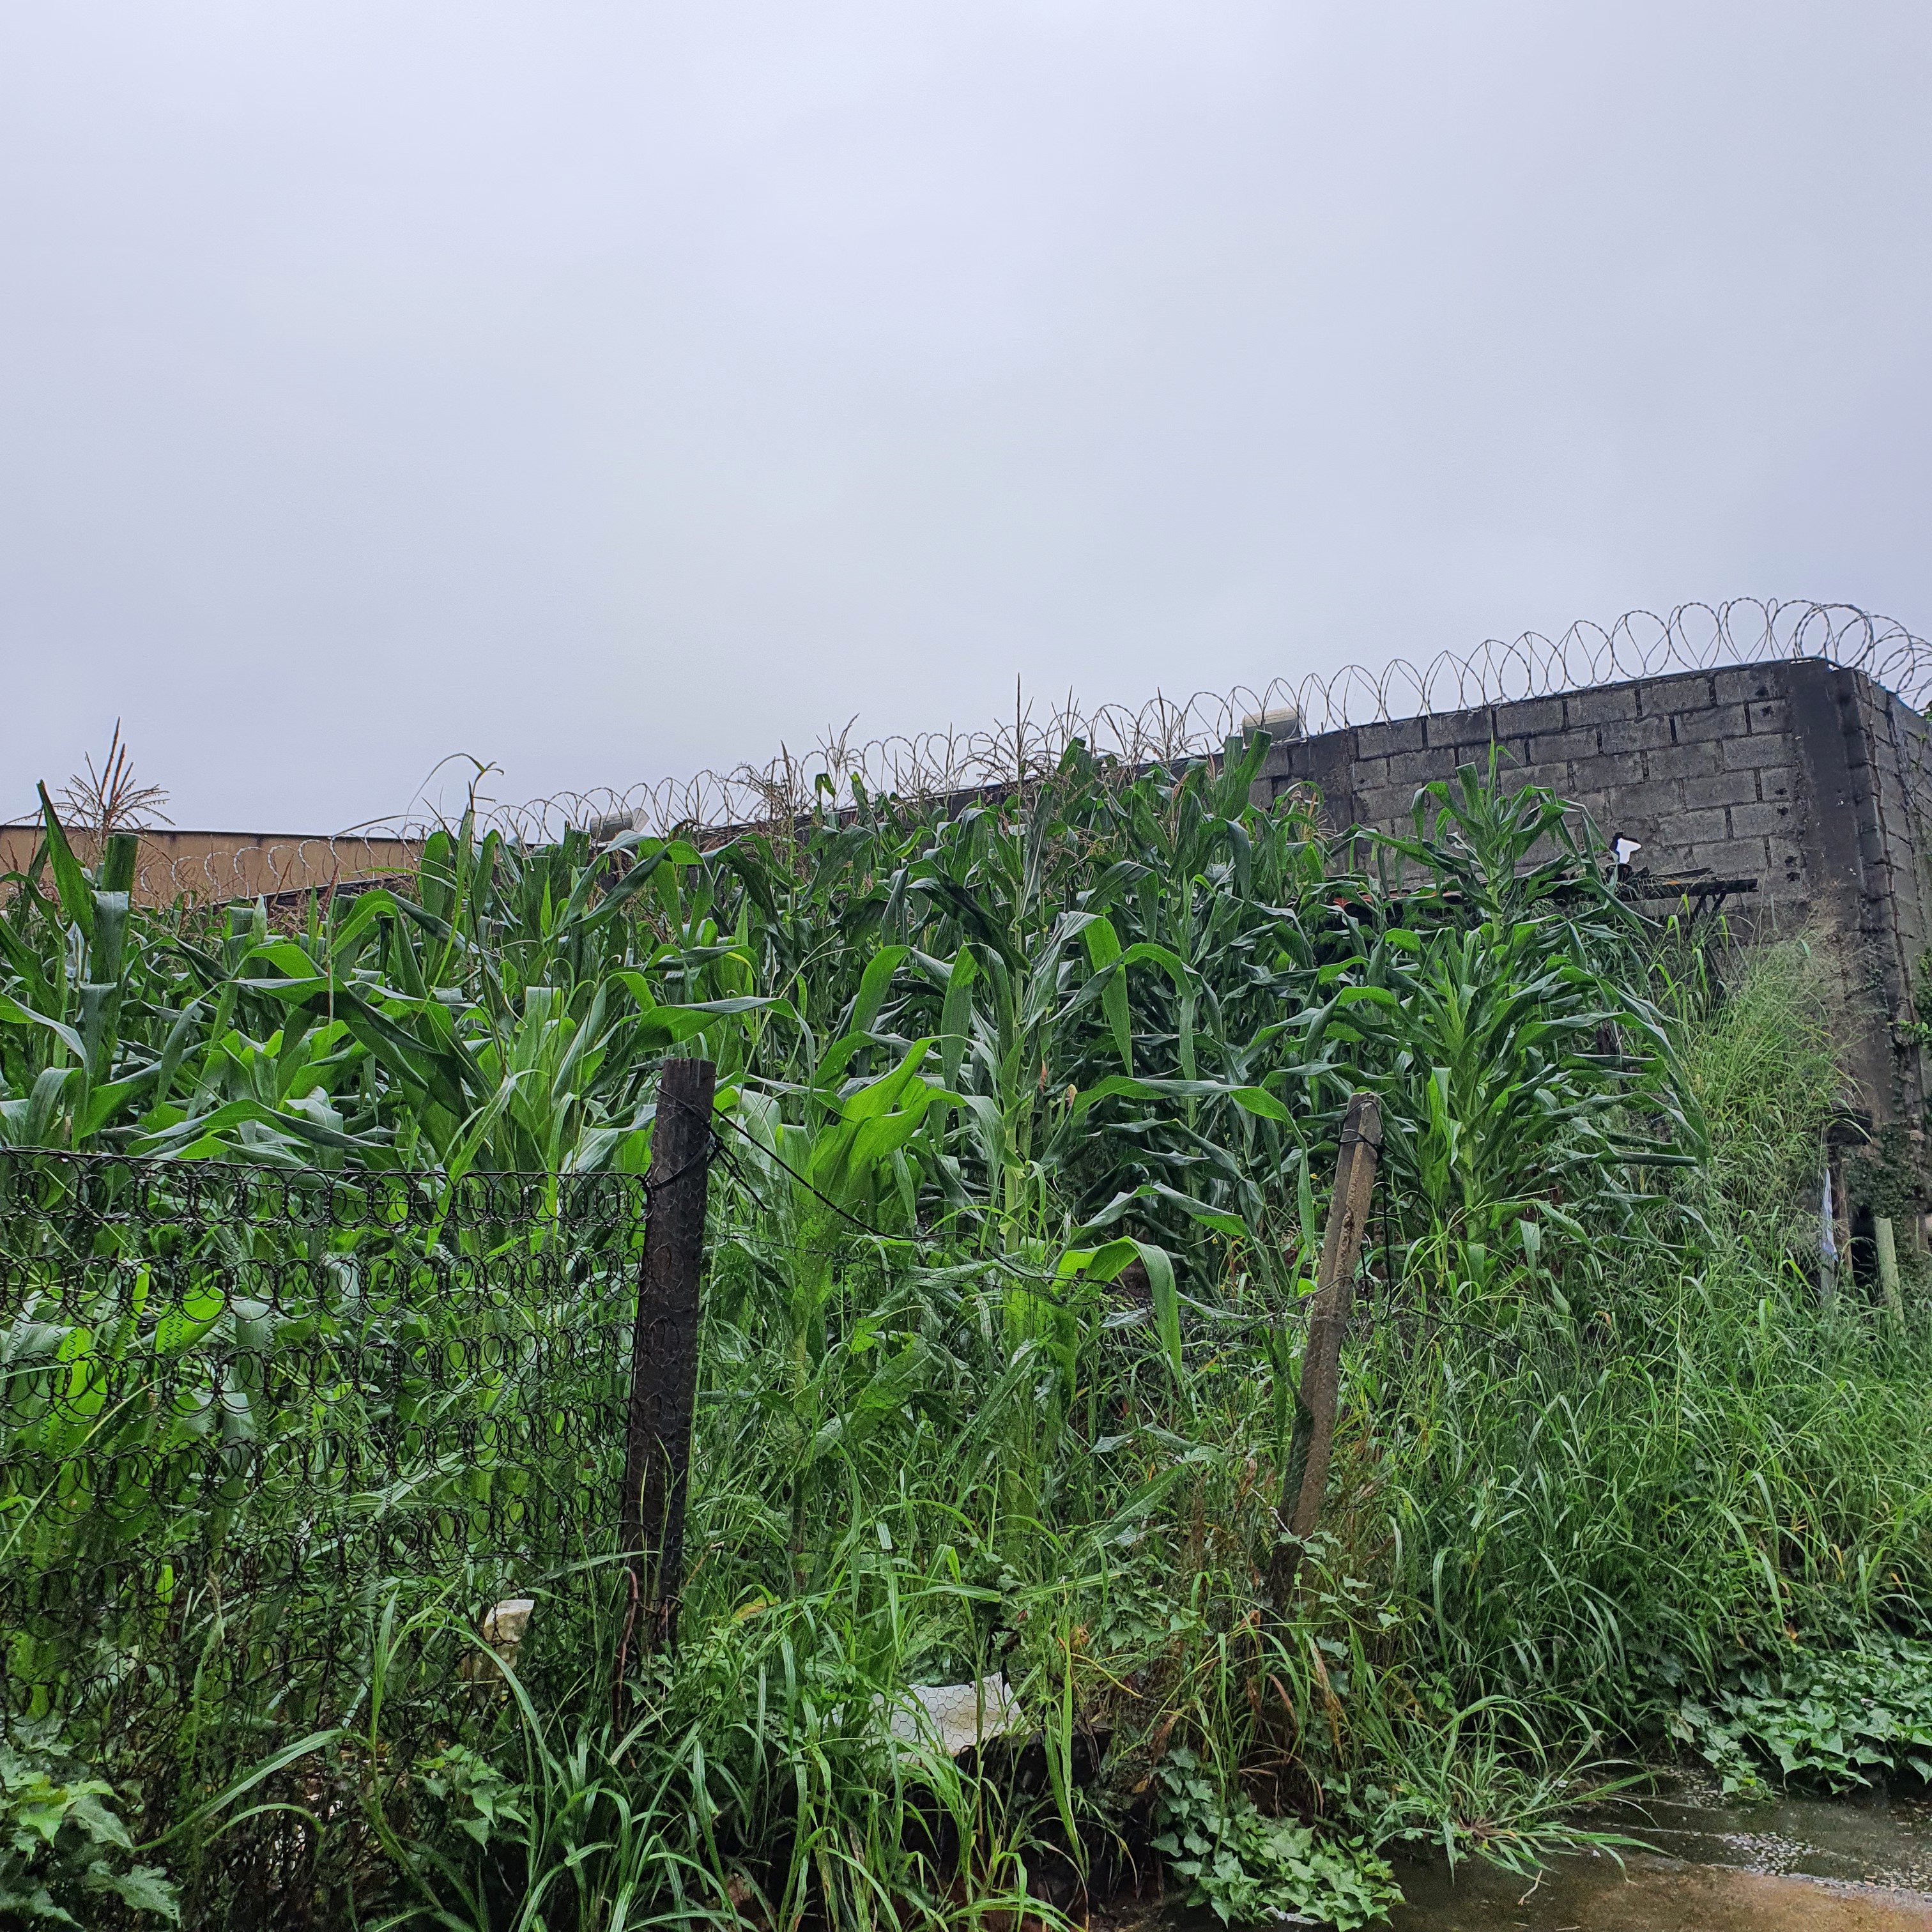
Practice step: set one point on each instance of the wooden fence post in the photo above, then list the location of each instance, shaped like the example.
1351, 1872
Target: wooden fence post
1842, 1219
1886, 1245
1827, 1239
1305, 1481
664, 1356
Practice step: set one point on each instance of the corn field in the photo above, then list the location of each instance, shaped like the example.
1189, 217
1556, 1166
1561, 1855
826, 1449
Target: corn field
1027, 1110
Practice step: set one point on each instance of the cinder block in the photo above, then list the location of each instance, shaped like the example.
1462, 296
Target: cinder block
1655, 802
1450, 759
1733, 858
1738, 686
1656, 853
1548, 746
1634, 734
1698, 828
1385, 808
1459, 728
1681, 690
1413, 768
1528, 715
1586, 708
1625, 768
1743, 754
1774, 781
1662, 860
1380, 741
1434, 778
1684, 761
1715, 721
1401, 734
1753, 821
1551, 777
1720, 788
1773, 715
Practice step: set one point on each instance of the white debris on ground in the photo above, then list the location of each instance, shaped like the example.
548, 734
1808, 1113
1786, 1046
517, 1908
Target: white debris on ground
502, 1629
957, 1715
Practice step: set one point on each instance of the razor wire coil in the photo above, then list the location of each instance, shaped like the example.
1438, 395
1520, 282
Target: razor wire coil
936, 765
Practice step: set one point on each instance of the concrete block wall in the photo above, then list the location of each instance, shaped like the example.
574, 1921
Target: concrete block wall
1809, 779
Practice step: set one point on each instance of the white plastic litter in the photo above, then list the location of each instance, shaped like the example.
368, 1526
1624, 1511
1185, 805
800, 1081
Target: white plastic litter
957, 1715
502, 1629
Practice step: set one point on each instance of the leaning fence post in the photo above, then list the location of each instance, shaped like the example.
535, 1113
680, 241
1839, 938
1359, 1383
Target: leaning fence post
1827, 1243
663, 1356
1886, 1247
1842, 1222
1306, 1480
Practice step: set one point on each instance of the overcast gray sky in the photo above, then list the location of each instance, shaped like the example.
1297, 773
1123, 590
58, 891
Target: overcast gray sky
608, 390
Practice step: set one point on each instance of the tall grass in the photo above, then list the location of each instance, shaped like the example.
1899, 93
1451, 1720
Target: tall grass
1588, 1513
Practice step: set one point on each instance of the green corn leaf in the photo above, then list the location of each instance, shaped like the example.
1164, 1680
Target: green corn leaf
1103, 951
874, 984
12, 1013
956, 1015
76, 896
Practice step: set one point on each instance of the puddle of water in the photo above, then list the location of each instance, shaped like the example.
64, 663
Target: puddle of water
1787, 1864
1860, 1864
1653, 1895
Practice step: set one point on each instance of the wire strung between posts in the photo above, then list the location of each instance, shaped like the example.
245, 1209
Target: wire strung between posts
1027, 1279
655, 1184
923, 1242
949, 766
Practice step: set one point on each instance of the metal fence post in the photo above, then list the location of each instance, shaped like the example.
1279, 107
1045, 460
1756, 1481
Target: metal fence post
663, 1356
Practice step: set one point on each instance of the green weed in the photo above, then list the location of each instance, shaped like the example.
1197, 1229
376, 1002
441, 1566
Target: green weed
1841, 1718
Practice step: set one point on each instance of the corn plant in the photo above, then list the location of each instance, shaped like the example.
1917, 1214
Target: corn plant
1028, 1102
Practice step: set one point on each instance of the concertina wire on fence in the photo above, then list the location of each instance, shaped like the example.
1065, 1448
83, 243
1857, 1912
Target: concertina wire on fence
935, 764
241, 1408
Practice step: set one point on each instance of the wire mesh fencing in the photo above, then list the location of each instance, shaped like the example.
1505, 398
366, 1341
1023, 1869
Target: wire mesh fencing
275, 1445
